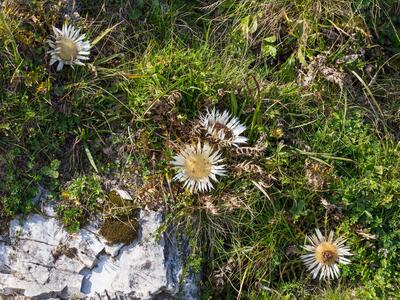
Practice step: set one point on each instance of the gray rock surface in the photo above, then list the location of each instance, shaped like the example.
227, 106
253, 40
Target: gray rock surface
41, 260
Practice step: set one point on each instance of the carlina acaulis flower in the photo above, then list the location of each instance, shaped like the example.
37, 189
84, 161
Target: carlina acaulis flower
223, 127
197, 165
68, 47
325, 254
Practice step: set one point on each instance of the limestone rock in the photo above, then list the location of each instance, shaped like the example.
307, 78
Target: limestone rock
41, 260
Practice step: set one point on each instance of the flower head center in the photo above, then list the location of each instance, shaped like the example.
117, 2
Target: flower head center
68, 49
327, 253
197, 166
226, 132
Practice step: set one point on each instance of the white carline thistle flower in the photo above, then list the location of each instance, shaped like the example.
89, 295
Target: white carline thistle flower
68, 47
197, 165
224, 127
325, 255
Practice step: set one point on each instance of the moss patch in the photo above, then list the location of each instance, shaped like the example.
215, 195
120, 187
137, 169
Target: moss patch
120, 224
119, 231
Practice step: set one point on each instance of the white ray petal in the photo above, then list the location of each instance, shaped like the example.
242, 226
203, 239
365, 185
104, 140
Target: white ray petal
52, 61
60, 65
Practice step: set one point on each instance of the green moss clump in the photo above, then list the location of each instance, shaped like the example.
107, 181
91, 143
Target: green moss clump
119, 231
120, 224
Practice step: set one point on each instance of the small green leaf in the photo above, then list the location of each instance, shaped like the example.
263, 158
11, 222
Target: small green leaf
249, 25
5, 126
90, 157
268, 51
253, 24
55, 164
268, 48
270, 39
300, 56
245, 24
52, 170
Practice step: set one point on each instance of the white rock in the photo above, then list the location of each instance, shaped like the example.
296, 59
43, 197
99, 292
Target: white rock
139, 270
43, 261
